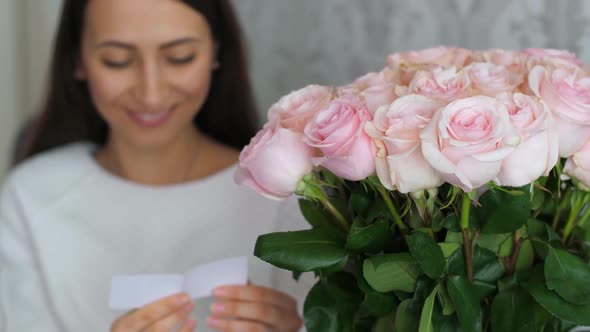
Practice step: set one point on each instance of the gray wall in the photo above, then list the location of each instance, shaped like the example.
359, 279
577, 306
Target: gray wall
297, 42
333, 41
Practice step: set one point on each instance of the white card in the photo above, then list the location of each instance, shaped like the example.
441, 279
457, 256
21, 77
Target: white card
134, 291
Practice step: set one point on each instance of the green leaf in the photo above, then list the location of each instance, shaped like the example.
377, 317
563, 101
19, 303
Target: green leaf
406, 319
498, 243
328, 178
502, 210
413, 218
506, 247
466, 302
372, 238
526, 256
443, 323
557, 325
456, 263
551, 234
325, 272
538, 198
448, 248
392, 272
579, 314
331, 305
487, 267
567, 326
542, 317
427, 253
424, 286
436, 221
378, 210
550, 206
384, 324
580, 234
451, 223
454, 237
552, 325
316, 215
507, 283
375, 303
402, 296
448, 307
540, 247
360, 202
301, 251
568, 276
512, 310
535, 227
482, 289
494, 242
426, 316
363, 323
378, 304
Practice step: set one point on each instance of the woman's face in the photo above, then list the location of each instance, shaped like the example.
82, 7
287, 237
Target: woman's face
148, 64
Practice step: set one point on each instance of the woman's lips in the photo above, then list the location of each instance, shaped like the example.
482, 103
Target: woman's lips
151, 119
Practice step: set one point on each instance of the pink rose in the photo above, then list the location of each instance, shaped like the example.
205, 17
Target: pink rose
396, 129
467, 141
439, 56
578, 165
376, 89
567, 93
441, 84
537, 153
294, 110
338, 132
274, 162
406, 64
512, 59
490, 79
553, 56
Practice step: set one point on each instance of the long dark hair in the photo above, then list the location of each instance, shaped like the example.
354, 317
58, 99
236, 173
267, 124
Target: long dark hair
69, 115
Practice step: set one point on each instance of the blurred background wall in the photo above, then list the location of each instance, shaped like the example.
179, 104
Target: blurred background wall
294, 43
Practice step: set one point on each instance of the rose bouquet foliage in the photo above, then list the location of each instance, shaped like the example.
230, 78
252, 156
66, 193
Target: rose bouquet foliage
447, 192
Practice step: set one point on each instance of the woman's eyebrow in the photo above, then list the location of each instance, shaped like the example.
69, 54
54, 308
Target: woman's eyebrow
187, 40
114, 43
176, 42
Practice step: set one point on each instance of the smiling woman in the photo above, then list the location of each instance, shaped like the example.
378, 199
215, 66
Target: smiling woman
148, 73
129, 170
140, 69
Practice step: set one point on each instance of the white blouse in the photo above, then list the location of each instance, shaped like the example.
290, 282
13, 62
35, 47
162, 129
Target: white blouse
67, 226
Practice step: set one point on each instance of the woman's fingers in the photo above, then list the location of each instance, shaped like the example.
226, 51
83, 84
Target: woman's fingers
188, 326
267, 314
251, 293
143, 317
233, 325
240, 308
172, 321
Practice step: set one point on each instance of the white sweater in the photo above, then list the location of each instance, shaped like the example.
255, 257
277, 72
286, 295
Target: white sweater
67, 226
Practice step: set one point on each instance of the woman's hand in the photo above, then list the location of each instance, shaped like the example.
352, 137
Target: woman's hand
253, 308
162, 316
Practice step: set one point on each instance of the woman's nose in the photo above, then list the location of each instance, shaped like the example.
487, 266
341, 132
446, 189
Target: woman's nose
151, 88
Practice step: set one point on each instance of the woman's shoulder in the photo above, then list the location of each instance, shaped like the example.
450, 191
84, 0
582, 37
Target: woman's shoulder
54, 168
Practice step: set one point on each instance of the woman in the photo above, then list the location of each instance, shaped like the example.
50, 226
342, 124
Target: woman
129, 170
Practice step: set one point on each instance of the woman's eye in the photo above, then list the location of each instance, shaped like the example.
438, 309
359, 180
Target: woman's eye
116, 64
181, 60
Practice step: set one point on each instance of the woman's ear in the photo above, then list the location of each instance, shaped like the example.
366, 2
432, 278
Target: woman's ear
80, 71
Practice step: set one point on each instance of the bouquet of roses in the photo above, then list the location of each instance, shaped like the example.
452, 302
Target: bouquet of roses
447, 192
